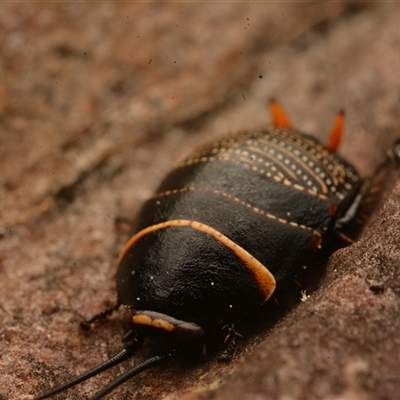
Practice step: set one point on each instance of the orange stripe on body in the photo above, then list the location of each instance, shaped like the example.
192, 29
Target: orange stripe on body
261, 274
158, 323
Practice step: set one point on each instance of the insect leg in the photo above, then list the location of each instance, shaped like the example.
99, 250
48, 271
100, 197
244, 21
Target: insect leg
229, 351
85, 325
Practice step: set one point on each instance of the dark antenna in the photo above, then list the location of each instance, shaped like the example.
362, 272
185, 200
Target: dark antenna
123, 355
150, 362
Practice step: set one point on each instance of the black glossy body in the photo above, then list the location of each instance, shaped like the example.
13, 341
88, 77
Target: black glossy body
276, 193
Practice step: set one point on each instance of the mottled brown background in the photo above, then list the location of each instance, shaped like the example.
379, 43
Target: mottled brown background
99, 100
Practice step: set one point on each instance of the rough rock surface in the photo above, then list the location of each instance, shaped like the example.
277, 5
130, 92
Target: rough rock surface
99, 100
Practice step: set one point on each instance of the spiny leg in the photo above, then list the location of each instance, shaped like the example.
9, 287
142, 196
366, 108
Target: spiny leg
369, 186
101, 316
230, 339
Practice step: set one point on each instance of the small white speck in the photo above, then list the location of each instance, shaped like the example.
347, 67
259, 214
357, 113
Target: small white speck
138, 298
133, 273
158, 202
304, 296
212, 283
230, 306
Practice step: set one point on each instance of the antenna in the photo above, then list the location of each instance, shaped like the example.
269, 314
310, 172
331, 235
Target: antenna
146, 364
123, 355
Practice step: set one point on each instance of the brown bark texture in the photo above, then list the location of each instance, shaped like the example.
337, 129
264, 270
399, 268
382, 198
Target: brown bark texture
99, 100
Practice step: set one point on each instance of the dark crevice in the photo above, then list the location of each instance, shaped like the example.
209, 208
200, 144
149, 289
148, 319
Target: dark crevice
64, 50
68, 193
324, 27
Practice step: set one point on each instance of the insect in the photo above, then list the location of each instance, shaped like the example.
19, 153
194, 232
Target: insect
234, 221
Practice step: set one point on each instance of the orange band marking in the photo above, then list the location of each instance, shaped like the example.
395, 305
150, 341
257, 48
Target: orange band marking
261, 274
141, 319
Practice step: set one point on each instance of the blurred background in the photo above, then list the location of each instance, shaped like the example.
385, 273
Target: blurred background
99, 100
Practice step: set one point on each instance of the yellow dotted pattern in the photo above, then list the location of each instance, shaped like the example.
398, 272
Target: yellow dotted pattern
238, 200
285, 156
